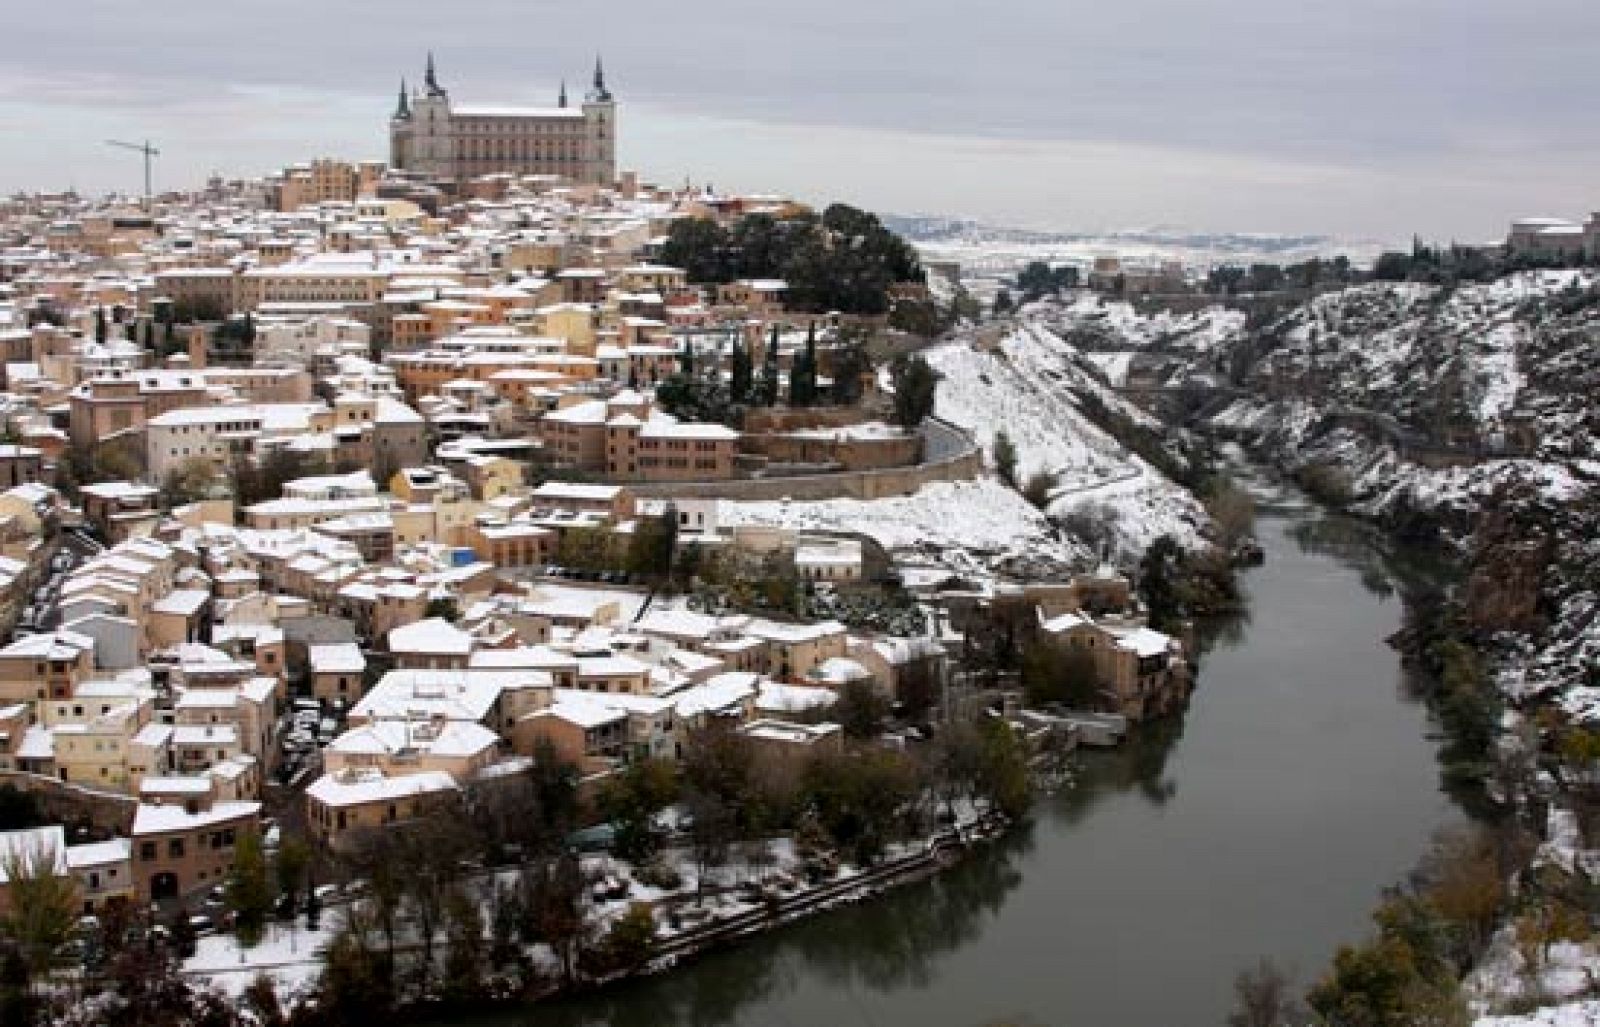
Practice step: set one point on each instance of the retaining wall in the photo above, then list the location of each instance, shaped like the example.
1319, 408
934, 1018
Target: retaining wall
65, 802
950, 455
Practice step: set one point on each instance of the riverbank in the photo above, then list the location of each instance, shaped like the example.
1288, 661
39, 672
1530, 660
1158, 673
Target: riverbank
1521, 945
1265, 819
293, 958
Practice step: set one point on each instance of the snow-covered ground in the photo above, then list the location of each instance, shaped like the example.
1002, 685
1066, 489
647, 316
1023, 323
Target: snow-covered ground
970, 527
1029, 389
1116, 323
292, 958
1572, 1014
995, 250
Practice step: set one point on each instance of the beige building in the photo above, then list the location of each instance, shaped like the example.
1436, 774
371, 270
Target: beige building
180, 848
47, 666
109, 405
458, 748
324, 180
432, 136
341, 806
338, 670
1140, 672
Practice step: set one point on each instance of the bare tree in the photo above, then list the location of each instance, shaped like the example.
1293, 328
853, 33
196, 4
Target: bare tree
1264, 997
43, 905
711, 832
430, 852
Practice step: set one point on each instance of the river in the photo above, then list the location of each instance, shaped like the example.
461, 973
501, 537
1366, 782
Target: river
1265, 821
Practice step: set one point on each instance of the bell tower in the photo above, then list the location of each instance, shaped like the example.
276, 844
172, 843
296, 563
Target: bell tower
600, 131
432, 142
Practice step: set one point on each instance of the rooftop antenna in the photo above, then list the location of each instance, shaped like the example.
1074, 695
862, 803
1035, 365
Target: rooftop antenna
148, 151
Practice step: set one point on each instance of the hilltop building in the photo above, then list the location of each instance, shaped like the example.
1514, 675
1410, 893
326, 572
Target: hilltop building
436, 138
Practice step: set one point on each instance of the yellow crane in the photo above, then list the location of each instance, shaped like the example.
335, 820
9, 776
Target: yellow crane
148, 151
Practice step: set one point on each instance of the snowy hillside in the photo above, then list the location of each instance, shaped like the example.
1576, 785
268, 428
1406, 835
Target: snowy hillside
1375, 347
1030, 387
973, 529
992, 249
1452, 405
1093, 322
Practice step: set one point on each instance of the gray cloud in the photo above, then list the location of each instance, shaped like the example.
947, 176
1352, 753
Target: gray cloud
1374, 91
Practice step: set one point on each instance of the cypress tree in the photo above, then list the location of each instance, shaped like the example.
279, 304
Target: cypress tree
739, 385
810, 377
769, 371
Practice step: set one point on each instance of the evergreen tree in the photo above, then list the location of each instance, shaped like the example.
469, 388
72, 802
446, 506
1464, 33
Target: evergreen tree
1159, 574
1005, 458
916, 384
741, 373
100, 325
803, 373
811, 365
769, 371
686, 359
851, 366
249, 894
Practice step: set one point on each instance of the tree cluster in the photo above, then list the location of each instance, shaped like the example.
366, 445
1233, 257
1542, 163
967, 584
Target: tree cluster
1429, 933
844, 261
1316, 273
1039, 279
916, 386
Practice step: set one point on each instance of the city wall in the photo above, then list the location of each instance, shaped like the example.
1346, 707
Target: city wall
949, 454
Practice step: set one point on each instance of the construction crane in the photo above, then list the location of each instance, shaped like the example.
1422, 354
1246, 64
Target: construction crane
149, 152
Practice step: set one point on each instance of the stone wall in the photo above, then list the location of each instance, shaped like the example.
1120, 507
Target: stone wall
848, 453
766, 420
69, 803
950, 455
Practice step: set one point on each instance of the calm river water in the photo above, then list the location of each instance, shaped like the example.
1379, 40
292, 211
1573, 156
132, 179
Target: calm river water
1266, 821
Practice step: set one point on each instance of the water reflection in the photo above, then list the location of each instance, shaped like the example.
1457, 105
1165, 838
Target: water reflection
1351, 544
895, 941
1139, 766
1306, 788
900, 944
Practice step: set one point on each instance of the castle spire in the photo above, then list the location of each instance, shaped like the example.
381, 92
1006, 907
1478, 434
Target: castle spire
600, 92
430, 79
403, 110
561, 101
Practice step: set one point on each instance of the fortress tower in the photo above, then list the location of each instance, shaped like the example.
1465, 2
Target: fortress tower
431, 136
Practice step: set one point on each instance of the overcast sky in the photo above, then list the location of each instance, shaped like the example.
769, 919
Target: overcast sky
1360, 118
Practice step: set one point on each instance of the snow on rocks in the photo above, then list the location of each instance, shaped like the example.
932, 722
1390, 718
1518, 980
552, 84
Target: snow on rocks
1573, 1014
1092, 316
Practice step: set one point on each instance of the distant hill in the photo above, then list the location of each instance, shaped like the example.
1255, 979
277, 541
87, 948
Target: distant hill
989, 246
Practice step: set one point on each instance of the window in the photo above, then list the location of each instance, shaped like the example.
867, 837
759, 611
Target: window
147, 851
175, 848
